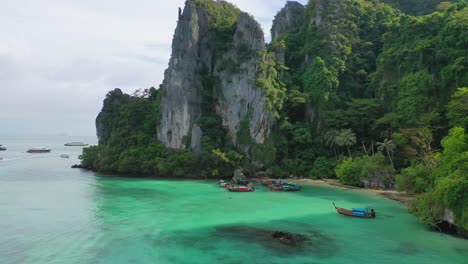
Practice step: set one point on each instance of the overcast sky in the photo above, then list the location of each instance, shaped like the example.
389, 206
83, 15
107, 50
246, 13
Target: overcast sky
59, 58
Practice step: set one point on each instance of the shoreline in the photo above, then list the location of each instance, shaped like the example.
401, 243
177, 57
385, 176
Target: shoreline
401, 197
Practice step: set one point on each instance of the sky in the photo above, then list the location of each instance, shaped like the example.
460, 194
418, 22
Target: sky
59, 58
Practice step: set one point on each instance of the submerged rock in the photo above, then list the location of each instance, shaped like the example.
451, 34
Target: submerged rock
289, 238
283, 242
406, 249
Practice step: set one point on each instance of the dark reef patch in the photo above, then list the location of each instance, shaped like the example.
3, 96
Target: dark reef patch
282, 243
406, 248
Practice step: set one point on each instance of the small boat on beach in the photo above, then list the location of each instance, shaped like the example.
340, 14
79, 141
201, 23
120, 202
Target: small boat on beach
356, 212
284, 186
240, 188
38, 150
274, 187
76, 144
289, 187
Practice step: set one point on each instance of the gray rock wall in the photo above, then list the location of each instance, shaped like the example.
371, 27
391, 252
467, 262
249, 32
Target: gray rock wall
288, 20
240, 96
235, 68
180, 104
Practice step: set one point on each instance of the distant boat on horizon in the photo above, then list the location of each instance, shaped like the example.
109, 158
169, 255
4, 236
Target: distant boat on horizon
64, 155
38, 150
76, 144
2, 147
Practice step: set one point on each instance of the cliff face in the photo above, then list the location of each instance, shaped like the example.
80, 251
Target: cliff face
288, 20
239, 95
206, 46
180, 104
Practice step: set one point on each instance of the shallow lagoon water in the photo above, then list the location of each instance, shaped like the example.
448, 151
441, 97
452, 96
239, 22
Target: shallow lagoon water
53, 214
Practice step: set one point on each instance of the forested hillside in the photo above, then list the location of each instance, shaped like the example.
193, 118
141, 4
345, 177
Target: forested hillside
418, 7
352, 89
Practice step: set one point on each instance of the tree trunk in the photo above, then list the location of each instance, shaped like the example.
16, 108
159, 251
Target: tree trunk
390, 158
365, 150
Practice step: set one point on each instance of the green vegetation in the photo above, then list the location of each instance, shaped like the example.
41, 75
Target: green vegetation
268, 81
380, 89
419, 7
449, 188
457, 109
366, 171
366, 94
222, 23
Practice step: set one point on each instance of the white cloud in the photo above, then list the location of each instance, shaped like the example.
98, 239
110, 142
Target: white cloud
58, 58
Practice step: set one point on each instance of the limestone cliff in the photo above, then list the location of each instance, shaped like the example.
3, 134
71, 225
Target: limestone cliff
180, 104
218, 42
288, 20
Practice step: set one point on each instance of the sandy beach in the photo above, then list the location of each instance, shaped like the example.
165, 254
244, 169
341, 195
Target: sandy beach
401, 197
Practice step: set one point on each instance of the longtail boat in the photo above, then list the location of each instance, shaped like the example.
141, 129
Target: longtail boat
240, 188
356, 212
274, 187
265, 182
284, 186
289, 187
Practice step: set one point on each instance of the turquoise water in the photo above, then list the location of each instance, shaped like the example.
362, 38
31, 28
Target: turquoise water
53, 214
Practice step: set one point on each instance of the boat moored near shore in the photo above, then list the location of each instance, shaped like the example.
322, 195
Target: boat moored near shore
75, 144
240, 188
284, 186
39, 150
356, 212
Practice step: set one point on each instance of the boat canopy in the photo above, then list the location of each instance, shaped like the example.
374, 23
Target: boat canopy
361, 209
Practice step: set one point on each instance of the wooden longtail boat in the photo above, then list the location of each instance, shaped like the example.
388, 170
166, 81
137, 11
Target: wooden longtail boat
284, 186
360, 213
240, 188
265, 182
274, 187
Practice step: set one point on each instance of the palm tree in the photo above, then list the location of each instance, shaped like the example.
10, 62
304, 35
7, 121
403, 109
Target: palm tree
346, 138
329, 138
388, 146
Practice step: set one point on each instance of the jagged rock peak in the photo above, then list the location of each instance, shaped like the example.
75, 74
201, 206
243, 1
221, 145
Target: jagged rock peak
288, 20
217, 42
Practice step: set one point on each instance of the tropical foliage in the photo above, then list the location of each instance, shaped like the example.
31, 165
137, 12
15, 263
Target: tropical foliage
363, 92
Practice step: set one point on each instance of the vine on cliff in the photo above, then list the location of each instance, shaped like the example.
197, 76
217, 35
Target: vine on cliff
268, 80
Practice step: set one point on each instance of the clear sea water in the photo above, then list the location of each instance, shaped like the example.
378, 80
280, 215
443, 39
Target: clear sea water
50, 213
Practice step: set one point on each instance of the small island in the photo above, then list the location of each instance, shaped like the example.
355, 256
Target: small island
351, 90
